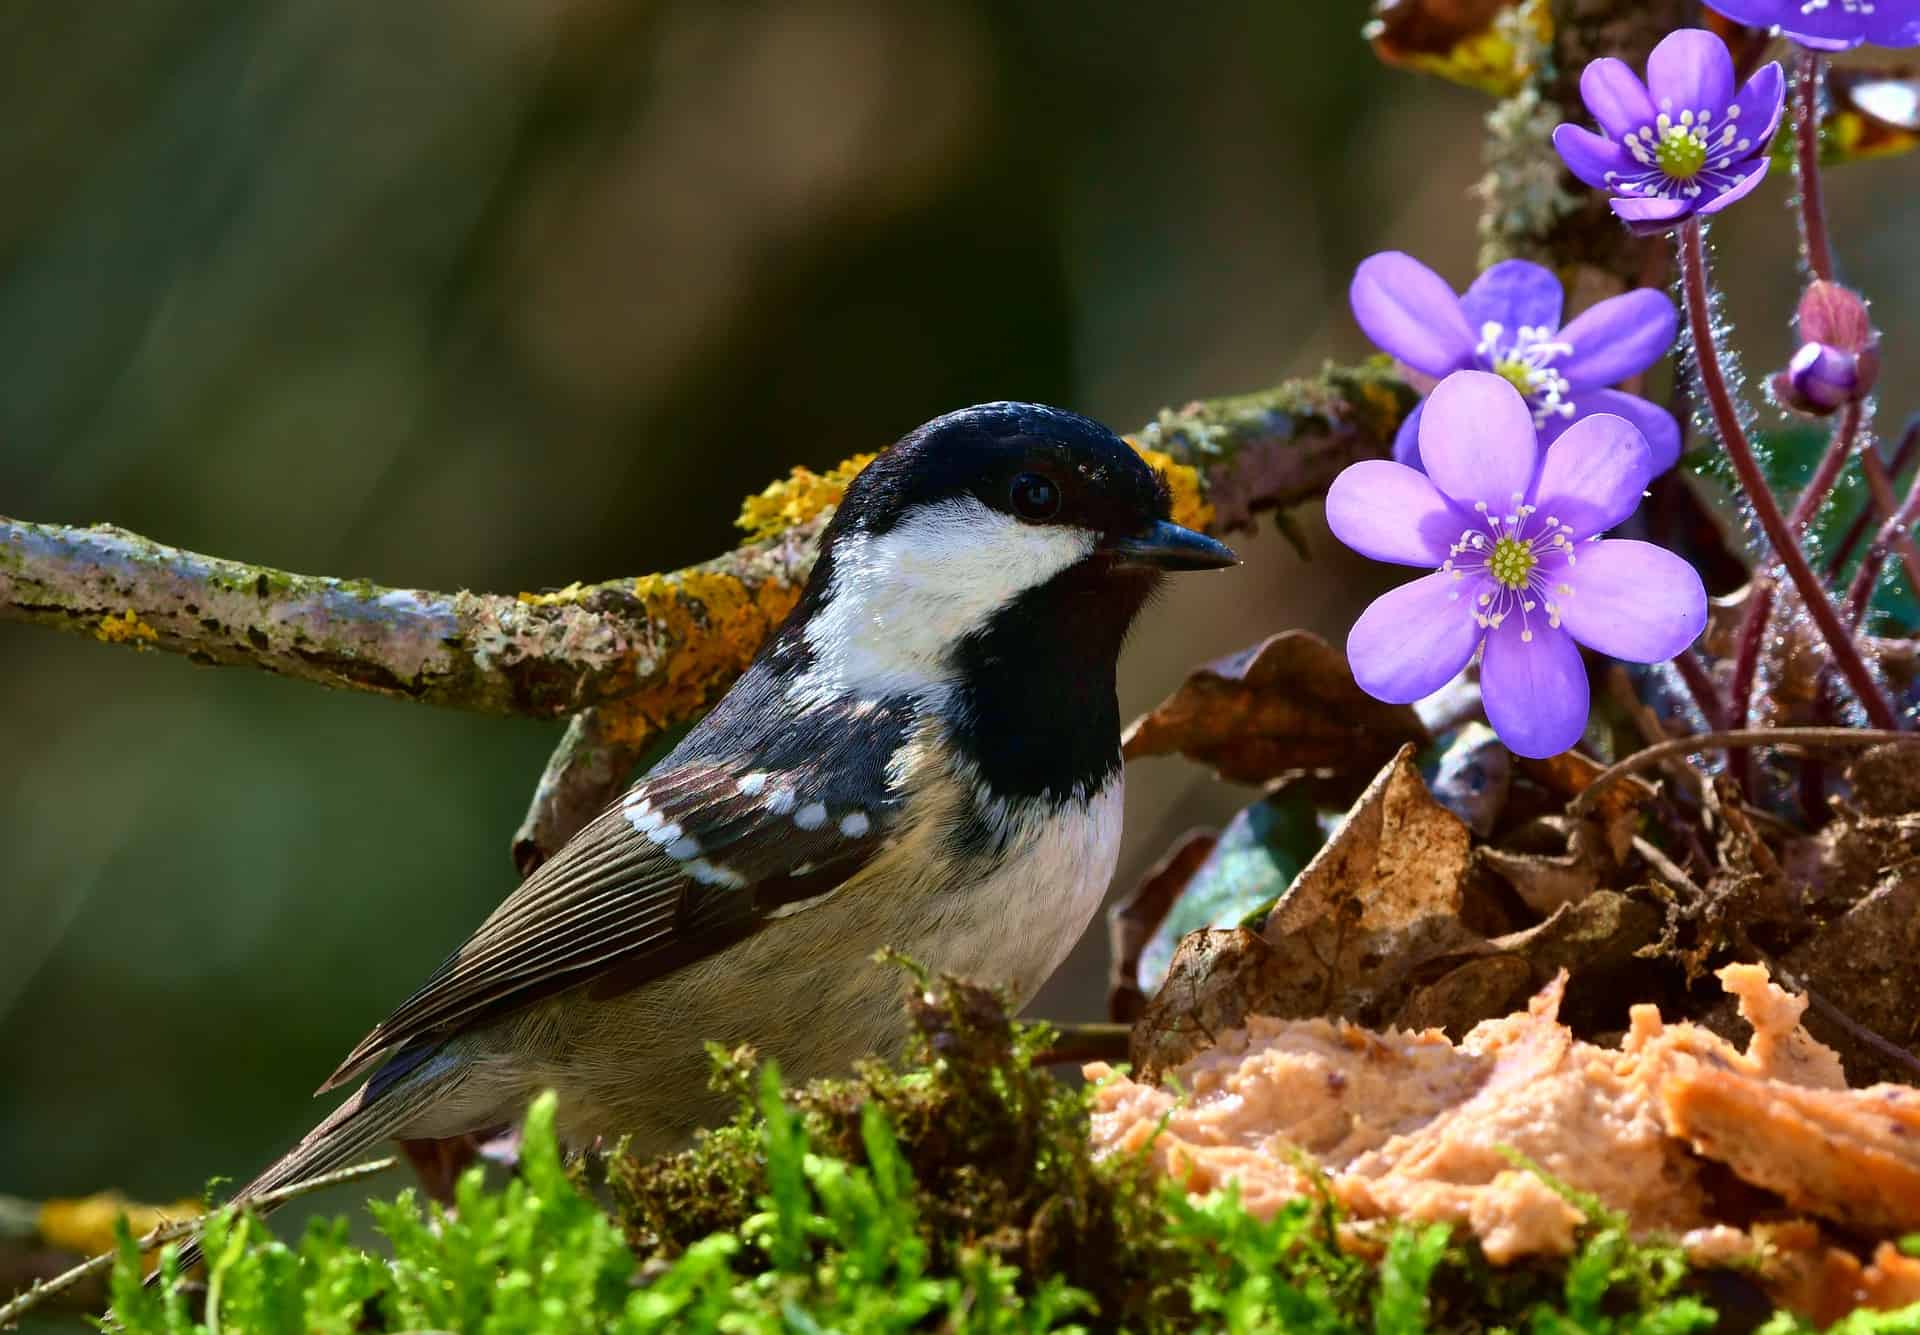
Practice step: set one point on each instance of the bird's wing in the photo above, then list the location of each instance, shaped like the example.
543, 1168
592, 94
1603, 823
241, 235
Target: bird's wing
696, 855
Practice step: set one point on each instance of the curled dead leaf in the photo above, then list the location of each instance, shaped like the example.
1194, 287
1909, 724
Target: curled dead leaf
1285, 706
1133, 921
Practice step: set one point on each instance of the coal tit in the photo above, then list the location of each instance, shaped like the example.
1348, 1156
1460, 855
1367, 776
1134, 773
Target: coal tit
925, 756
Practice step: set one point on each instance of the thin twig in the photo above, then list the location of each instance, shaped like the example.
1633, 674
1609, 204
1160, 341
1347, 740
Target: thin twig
21, 1304
1834, 738
1733, 437
1886, 1047
1089, 1042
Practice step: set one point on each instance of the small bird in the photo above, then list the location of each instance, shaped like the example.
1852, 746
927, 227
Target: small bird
925, 755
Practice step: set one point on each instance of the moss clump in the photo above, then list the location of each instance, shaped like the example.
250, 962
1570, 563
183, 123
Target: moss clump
956, 1193
997, 1150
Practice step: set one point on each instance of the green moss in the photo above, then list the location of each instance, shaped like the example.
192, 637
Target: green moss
953, 1193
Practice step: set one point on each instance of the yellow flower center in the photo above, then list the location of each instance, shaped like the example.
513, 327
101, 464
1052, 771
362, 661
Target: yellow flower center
1516, 373
1681, 152
1512, 561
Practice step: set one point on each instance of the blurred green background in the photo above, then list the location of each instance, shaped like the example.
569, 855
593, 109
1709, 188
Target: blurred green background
503, 295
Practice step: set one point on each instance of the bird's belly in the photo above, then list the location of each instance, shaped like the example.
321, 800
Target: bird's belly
806, 991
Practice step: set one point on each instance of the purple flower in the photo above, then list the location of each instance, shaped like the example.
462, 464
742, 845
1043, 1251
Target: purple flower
1839, 358
1680, 144
1512, 534
1830, 25
1508, 322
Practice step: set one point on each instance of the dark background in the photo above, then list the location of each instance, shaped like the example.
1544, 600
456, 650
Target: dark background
503, 295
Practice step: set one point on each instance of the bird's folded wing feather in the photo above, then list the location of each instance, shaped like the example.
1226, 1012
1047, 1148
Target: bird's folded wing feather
696, 855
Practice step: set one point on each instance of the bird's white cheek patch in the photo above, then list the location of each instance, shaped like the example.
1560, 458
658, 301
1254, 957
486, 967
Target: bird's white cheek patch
899, 603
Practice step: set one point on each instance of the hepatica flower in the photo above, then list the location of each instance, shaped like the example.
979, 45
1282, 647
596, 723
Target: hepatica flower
1839, 357
1682, 143
1831, 25
1511, 534
1508, 323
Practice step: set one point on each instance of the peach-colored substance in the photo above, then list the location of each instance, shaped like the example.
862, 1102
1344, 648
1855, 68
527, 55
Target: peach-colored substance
1410, 1126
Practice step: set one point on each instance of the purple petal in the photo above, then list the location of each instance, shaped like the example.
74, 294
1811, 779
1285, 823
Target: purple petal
1414, 640
1828, 29
1753, 13
1633, 600
1890, 27
1618, 337
1755, 172
1690, 71
1593, 474
1650, 216
1590, 157
1535, 691
1408, 310
1406, 441
1759, 107
1655, 422
1477, 441
1391, 513
1513, 293
1617, 99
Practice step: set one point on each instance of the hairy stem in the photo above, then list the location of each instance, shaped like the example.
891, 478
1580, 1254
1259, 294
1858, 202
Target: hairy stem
1896, 534
1700, 687
1753, 627
1733, 436
1857, 530
1808, 75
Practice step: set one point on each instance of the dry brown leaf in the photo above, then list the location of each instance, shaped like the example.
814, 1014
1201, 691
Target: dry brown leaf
1131, 922
1288, 705
1381, 898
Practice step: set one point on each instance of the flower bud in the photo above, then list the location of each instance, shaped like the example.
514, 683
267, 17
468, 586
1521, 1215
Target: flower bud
1840, 358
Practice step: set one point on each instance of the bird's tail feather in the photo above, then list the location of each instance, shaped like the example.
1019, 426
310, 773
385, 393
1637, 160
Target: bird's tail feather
362, 1121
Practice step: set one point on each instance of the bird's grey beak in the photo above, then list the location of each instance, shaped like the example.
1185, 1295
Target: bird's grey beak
1168, 546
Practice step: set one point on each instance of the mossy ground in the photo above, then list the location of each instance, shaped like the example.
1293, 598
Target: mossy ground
954, 1192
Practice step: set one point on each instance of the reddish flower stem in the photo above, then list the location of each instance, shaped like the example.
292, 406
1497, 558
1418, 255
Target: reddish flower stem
1807, 79
1843, 550
1733, 437
1894, 535
1753, 627
1700, 687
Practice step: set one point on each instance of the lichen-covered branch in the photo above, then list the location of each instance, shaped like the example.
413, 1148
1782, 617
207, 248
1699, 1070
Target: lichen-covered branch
626, 658
546, 655
40, 1240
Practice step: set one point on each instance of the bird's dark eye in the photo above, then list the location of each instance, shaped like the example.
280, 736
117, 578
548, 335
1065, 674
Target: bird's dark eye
1035, 497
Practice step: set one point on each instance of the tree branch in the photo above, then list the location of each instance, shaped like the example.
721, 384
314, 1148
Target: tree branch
627, 658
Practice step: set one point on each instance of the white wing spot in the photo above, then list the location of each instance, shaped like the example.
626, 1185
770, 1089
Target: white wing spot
854, 824
683, 848
750, 785
811, 817
664, 834
712, 873
641, 815
781, 801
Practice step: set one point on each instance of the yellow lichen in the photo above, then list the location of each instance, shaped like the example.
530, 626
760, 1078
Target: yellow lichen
798, 497
1190, 505
124, 630
85, 1225
713, 624
573, 593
